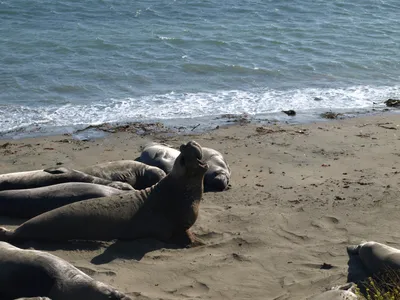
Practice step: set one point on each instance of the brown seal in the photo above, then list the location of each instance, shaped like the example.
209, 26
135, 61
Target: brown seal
216, 178
164, 211
28, 203
33, 273
50, 176
137, 174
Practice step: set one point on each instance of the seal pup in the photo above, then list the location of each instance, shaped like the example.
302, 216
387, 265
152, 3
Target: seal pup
28, 203
137, 174
50, 176
33, 273
164, 211
375, 257
216, 178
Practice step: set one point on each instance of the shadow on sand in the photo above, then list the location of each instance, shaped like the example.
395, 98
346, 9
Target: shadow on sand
135, 249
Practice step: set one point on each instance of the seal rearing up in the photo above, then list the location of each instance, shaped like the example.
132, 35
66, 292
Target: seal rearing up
164, 211
33, 273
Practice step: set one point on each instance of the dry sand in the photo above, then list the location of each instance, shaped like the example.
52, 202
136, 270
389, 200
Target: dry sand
300, 194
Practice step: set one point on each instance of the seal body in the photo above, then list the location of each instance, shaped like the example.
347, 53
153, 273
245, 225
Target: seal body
216, 178
159, 155
40, 178
164, 211
32, 273
27, 203
375, 257
137, 174
218, 174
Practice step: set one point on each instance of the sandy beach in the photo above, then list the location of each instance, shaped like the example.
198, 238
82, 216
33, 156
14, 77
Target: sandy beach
300, 194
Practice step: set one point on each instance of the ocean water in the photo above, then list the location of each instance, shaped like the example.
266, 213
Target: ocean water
72, 63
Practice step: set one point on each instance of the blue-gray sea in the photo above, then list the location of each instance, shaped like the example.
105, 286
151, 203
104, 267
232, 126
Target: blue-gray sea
73, 63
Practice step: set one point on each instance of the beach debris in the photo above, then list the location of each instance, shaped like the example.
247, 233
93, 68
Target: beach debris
5, 145
392, 102
133, 127
326, 266
363, 135
388, 126
239, 119
289, 112
325, 165
266, 130
330, 115
195, 127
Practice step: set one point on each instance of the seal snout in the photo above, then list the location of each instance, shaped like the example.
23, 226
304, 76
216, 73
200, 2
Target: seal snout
192, 148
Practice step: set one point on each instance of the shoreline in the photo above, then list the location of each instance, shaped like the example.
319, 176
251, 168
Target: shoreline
198, 125
300, 194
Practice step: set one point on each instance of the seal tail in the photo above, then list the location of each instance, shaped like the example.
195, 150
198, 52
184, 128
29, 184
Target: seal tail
6, 234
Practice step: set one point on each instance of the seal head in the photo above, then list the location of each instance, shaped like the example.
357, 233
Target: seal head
190, 161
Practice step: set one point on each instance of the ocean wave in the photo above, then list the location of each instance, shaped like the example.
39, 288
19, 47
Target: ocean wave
176, 106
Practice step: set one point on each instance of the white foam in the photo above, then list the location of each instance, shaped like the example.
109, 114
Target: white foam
193, 105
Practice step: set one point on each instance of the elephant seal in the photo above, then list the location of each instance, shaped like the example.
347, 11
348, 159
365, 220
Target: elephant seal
50, 176
216, 178
159, 155
33, 273
137, 174
28, 203
375, 258
164, 211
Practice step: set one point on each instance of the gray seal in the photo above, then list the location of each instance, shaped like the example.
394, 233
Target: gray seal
33, 273
28, 203
165, 211
374, 258
137, 174
50, 176
216, 178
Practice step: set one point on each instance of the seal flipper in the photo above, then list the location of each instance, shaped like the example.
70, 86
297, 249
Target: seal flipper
55, 170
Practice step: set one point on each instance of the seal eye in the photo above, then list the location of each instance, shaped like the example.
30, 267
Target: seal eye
182, 160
